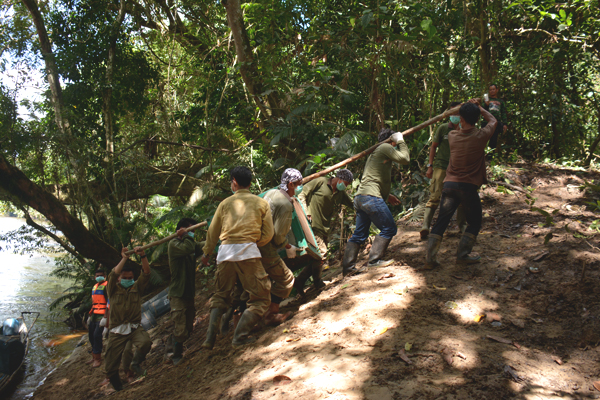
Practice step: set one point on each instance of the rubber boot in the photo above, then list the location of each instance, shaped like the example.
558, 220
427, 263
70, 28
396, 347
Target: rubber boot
115, 381
97, 360
135, 363
465, 246
226, 319
213, 326
380, 245
169, 344
300, 281
247, 322
461, 219
317, 272
429, 211
433, 246
177, 352
349, 260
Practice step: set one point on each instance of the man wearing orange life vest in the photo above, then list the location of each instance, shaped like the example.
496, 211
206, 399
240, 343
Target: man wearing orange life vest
99, 307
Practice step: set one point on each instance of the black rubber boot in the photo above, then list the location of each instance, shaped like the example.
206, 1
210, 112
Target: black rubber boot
247, 322
380, 245
300, 281
226, 319
349, 260
427, 217
136, 361
115, 381
317, 272
465, 246
433, 246
213, 326
177, 352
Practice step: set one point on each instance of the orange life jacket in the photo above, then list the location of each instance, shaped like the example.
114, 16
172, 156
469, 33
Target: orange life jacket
99, 304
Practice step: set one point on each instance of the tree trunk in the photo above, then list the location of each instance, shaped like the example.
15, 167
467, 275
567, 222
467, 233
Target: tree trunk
248, 68
28, 193
594, 144
484, 45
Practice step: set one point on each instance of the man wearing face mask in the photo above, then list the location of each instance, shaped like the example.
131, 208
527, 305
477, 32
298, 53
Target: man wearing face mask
369, 202
183, 251
439, 157
125, 296
281, 201
98, 311
320, 198
466, 173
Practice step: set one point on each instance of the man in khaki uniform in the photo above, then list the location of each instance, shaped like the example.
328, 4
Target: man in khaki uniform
183, 251
125, 297
242, 222
281, 200
320, 198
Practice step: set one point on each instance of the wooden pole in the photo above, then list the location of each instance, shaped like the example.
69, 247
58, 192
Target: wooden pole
166, 239
445, 114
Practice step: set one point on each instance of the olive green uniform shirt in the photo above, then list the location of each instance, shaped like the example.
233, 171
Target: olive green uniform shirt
126, 304
281, 210
182, 261
241, 218
442, 155
319, 201
377, 176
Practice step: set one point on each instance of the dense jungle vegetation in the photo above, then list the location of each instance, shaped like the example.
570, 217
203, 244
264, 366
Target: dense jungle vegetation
149, 102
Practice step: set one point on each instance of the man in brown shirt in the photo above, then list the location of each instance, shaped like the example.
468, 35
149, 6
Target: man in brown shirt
125, 297
464, 176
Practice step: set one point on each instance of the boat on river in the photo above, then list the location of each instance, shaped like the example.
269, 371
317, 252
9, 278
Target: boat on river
14, 345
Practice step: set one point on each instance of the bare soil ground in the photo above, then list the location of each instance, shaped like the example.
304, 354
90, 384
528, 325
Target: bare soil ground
403, 333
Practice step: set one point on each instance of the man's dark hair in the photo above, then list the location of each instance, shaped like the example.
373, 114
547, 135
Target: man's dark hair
493, 84
127, 268
384, 134
100, 271
470, 112
185, 222
242, 175
454, 104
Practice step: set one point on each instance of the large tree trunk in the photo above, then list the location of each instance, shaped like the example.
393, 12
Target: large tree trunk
28, 193
484, 45
248, 68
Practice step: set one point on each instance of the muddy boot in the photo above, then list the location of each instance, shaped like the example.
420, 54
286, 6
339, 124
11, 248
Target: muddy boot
272, 317
349, 260
380, 245
300, 281
177, 352
226, 319
213, 326
317, 272
115, 381
247, 322
429, 211
433, 246
135, 363
465, 246
97, 360
461, 219
169, 345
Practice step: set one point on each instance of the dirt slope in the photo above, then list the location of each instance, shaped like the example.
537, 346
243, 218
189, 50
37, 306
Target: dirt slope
345, 342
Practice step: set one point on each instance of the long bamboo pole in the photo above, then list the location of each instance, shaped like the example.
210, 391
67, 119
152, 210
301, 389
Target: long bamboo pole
166, 239
445, 114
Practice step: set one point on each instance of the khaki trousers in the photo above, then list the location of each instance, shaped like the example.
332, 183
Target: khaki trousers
280, 274
254, 280
116, 347
183, 313
435, 187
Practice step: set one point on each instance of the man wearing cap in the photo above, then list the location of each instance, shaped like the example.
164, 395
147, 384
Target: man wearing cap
369, 201
320, 198
439, 157
281, 200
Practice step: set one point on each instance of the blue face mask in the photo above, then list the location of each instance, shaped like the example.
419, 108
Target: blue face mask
341, 186
191, 234
298, 190
455, 119
100, 279
127, 283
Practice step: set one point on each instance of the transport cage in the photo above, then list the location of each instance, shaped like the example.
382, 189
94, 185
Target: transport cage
155, 308
300, 235
12, 351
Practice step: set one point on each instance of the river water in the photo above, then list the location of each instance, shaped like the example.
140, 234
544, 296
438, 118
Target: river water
26, 285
